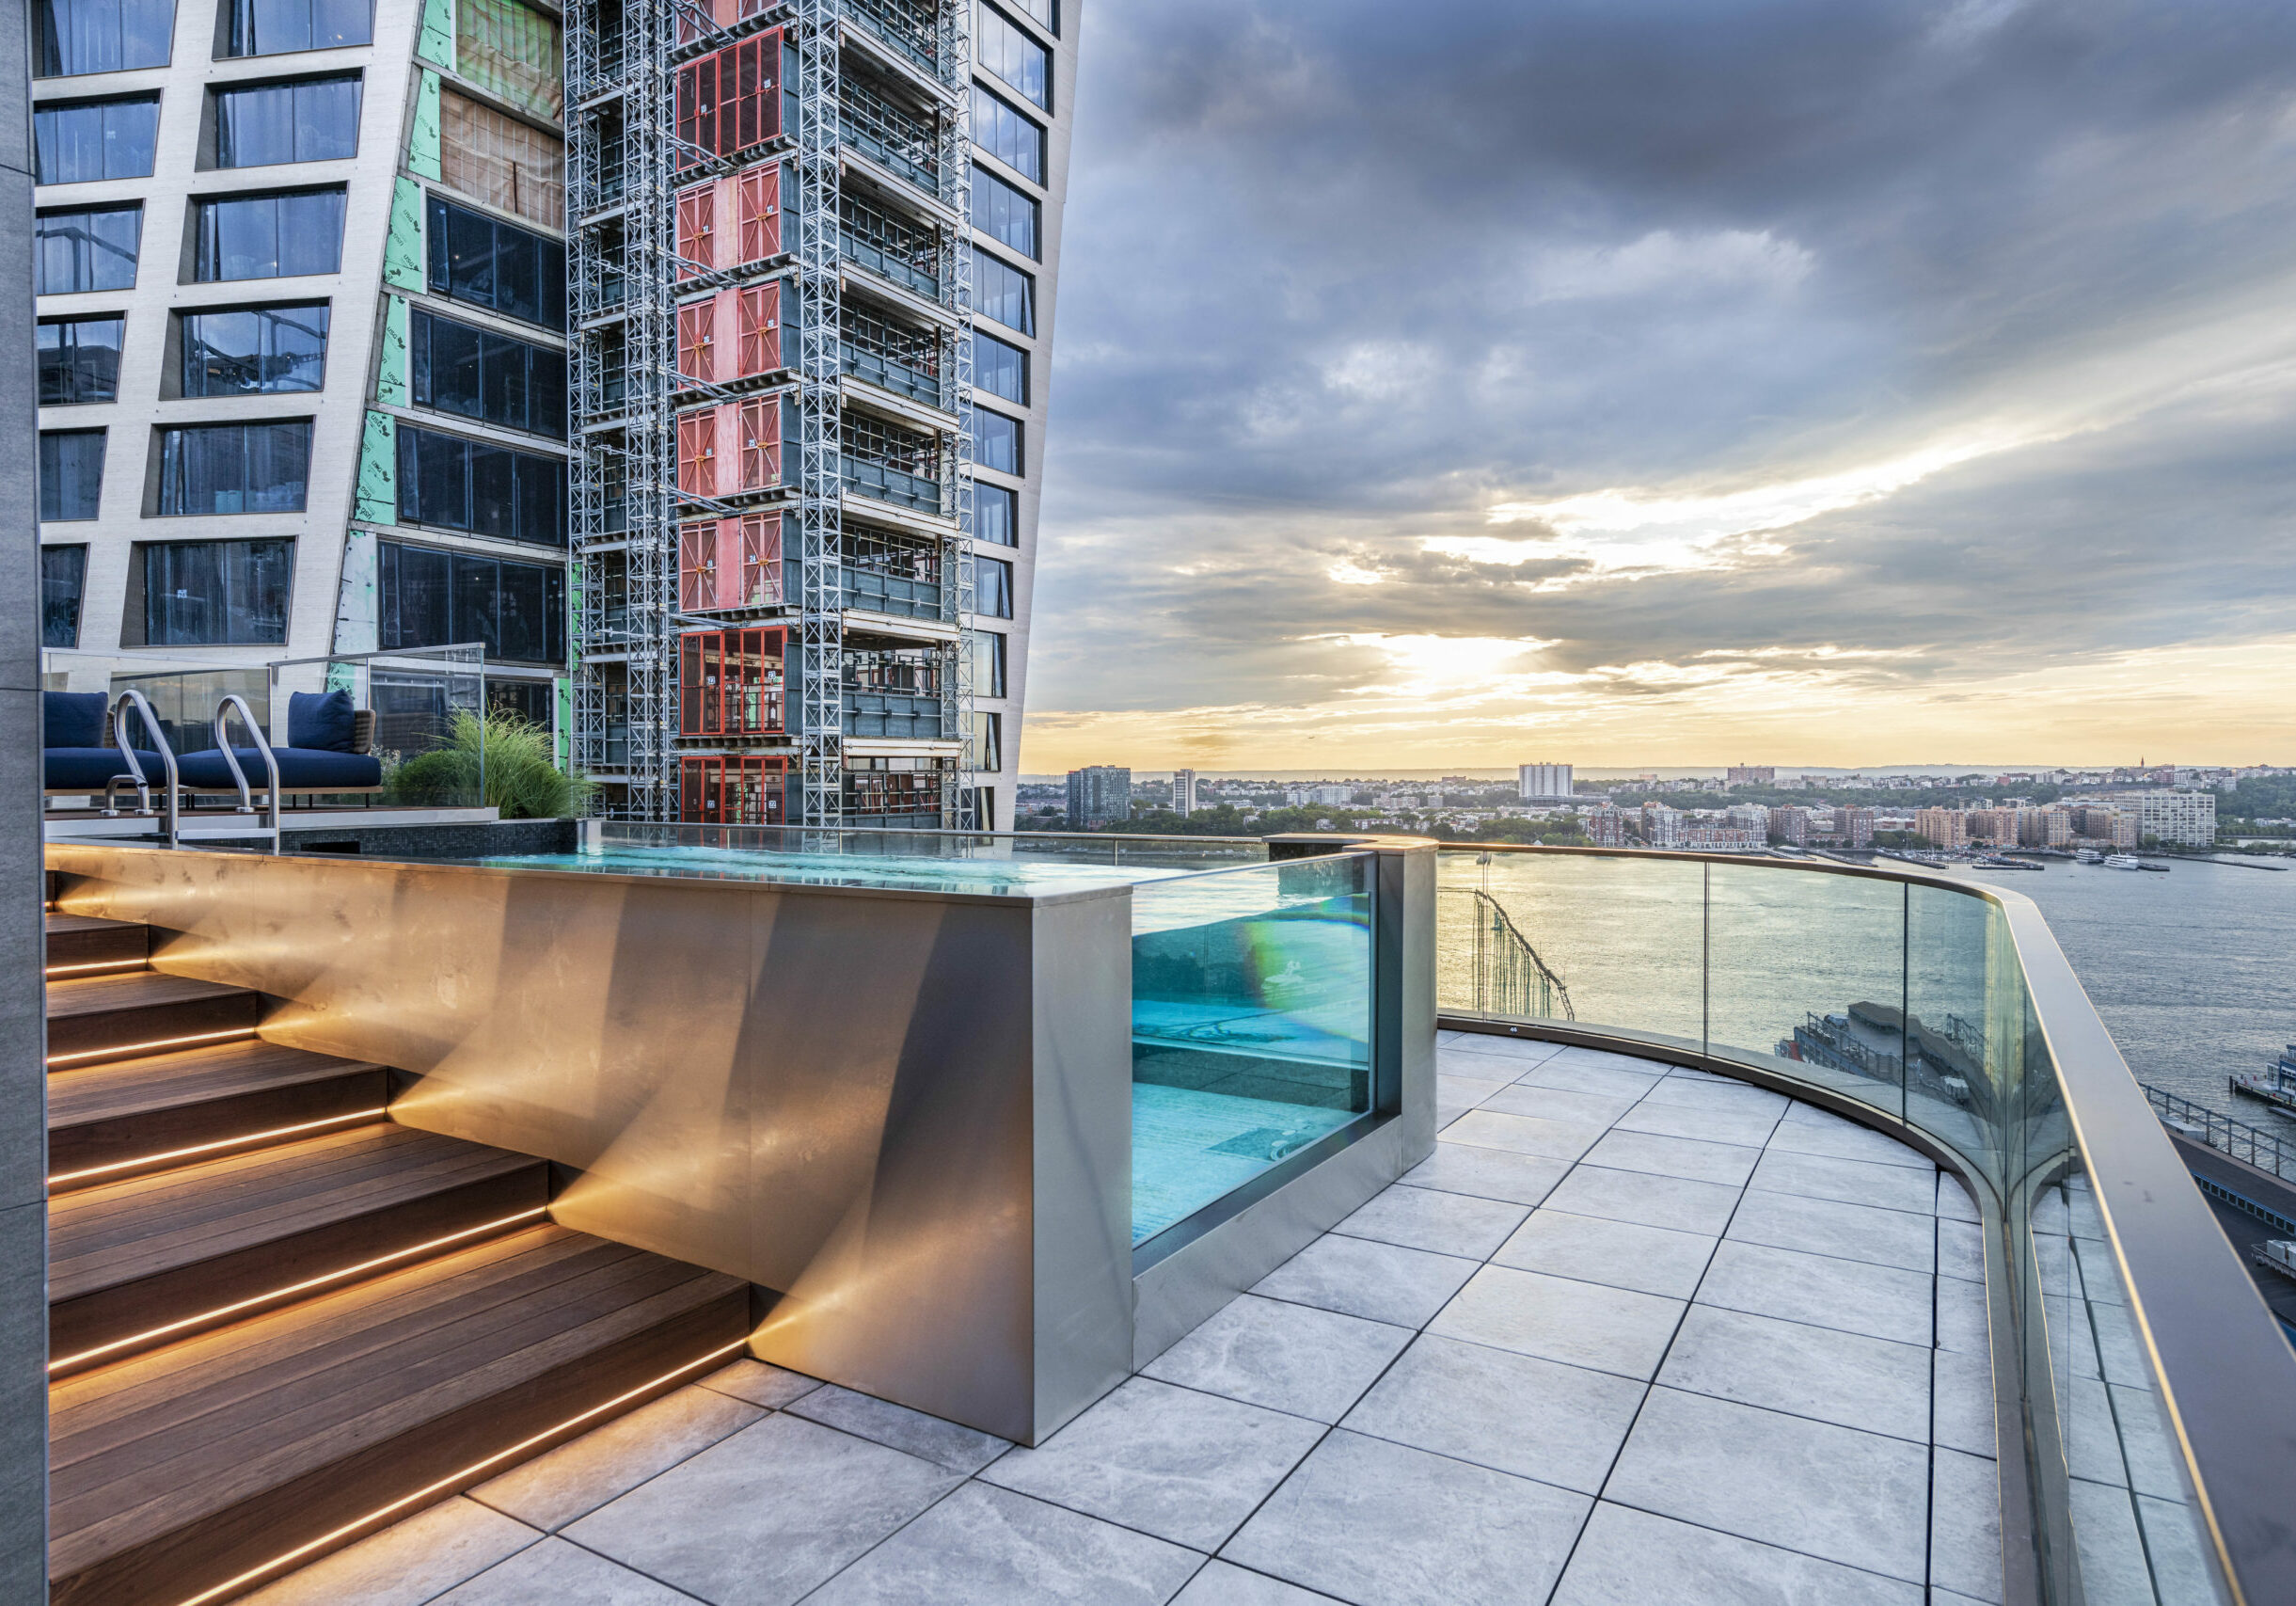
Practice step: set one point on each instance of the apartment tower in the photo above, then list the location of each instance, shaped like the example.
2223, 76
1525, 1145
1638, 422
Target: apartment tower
812, 259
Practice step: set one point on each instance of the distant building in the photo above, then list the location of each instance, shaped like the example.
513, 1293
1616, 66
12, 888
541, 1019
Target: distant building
1542, 781
1749, 817
1662, 827
1183, 791
2185, 819
1606, 827
1995, 827
1941, 827
1722, 839
1854, 827
1319, 797
1099, 794
1791, 826
2111, 827
1751, 775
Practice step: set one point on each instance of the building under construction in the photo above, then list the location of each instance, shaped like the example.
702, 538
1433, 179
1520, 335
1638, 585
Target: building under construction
811, 256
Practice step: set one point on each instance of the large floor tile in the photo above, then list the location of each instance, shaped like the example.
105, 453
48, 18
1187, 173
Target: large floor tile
1808, 1130
946, 1444
1964, 1526
1177, 1463
1581, 1324
1853, 1296
1954, 1200
1962, 1417
1961, 1317
762, 1517
1520, 1052
761, 1385
1381, 1524
1467, 1090
1961, 1250
1727, 1164
1289, 1358
994, 1548
1825, 1491
1588, 1076
2092, 1437
1224, 1584
408, 1563
1698, 1090
554, 1573
1431, 1220
1559, 1103
2151, 1457
1487, 1173
1363, 1277
1830, 1226
584, 1473
1515, 1413
1632, 1558
1844, 1379
1853, 1181
1624, 1255
1730, 1121
2179, 1545
1639, 1195
1525, 1134
1638, 1064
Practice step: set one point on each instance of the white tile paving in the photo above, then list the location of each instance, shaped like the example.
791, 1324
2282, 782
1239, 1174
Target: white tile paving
1626, 1338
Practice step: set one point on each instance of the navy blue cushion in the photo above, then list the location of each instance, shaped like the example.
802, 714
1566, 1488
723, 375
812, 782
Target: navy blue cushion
73, 768
72, 719
320, 721
301, 769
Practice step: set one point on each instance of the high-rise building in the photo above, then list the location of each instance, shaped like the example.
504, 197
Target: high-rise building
813, 246
302, 364
1542, 781
1663, 827
1792, 825
1751, 775
1183, 791
1942, 827
1749, 817
1605, 826
1099, 794
1854, 827
2185, 819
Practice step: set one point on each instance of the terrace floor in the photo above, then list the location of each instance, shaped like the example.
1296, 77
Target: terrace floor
1632, 1335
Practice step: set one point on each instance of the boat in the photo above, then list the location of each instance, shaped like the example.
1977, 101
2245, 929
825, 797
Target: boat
2001, 862
2122, 862
2088, 857
2276, 1084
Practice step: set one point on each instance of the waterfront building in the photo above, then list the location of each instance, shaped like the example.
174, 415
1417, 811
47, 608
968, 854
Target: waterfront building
2185, 818
1183, 791
1790, 825
1543, 782
1606, 827
1751, 775
1855, 827
2107, 826
1099, 794
1942, 827
1662, 827
1720, 839
1749, 817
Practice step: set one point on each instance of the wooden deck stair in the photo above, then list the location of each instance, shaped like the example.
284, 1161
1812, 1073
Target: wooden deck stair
277, 1319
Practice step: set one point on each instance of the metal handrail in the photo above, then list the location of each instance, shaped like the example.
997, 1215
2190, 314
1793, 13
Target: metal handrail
2267, 1150
232, 700
133, 701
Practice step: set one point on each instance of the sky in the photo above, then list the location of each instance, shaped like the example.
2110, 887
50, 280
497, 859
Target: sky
1830, 382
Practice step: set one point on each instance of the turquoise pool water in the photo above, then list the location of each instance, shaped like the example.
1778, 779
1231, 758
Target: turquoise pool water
922, 872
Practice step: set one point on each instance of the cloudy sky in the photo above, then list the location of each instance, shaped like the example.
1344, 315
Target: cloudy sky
1674, 382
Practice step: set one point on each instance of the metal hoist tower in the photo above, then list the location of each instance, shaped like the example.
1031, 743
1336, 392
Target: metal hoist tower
625, 162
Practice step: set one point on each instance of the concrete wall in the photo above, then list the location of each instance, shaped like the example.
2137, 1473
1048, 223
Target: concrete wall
23, 1077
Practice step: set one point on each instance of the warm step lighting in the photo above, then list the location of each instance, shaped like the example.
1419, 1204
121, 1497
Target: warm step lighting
127, 1050
374, 1114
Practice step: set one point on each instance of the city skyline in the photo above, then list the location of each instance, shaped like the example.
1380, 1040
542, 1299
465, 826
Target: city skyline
1729, 410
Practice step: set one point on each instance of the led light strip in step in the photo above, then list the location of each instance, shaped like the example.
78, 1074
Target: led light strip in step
375, 1114
129, 1050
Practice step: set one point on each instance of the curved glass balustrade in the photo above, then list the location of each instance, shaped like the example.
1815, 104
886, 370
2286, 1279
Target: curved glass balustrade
2148, 1400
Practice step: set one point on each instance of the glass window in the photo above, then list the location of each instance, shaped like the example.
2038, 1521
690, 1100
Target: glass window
426, 599
316, 121
269, 236
201, 594
62, 572
1008, 50
496, 266
999, 368
1046, 12
1004, 292
513, 50
94, 249
257, 351
1003, 213
988, 650
1009, 134
79, 360
501, 161
461, 369
996, 441
101, 35
234, 468
992, 588
95, 140
71, 474
275, 27
984, 742
474, 486
996, 514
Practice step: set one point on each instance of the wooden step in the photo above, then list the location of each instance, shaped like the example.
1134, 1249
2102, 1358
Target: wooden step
100, 1018
79, 943
161, 1256
178, 1476
107, 1122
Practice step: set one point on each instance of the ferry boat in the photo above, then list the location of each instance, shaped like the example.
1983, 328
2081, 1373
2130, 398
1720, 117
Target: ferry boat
2088, 857
2276, 1084
2122, 862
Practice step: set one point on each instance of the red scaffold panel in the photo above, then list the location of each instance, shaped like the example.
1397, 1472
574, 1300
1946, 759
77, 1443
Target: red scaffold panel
730, 563
732, 790
732, 449
729, 100
730, 222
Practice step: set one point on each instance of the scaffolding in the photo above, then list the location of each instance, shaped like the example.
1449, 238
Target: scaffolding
660, 546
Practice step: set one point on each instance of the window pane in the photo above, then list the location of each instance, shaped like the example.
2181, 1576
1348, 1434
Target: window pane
1003, 212
62, 571
255, 128
326, 119
445, 359
71, 474
996, 441
102, 36
79, 361
411, 596
988, 650
992, 588
1008, 51
1044, 12
225, 469
1009, 134
492, 490
473, 601
94, 249
263, 351
996, 514
1004, 292
310, 232
101, 139
216, 592
270, 236
521, 626
496, 266
999, 368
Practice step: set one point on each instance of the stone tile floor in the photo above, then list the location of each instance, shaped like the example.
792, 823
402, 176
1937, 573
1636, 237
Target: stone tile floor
1632, 1335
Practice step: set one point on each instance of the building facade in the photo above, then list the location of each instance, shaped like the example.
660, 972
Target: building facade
1099, 794
1751, 775
814, 248
2181, 819
302, 359
1542, 781
1942, 827
1183, 791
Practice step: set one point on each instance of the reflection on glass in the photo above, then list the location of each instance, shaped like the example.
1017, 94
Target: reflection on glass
1251, 1025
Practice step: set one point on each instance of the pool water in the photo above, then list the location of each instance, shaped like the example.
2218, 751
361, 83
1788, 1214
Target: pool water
1190, 1148
919, 872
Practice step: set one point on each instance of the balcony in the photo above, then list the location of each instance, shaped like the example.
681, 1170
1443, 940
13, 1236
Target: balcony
888, 133
899, 253
910, 29
891, 373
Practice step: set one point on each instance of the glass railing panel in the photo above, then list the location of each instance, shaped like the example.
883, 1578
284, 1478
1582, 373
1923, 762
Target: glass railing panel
1251, 1025
1611, 944
1806, 976
1964, 1026
185, 701
427, 704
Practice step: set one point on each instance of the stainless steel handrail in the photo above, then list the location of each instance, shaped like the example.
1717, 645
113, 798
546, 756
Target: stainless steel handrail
232, 700
134, 700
